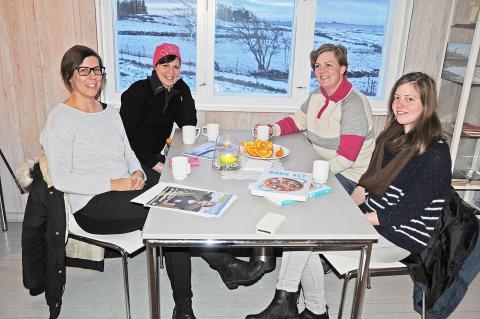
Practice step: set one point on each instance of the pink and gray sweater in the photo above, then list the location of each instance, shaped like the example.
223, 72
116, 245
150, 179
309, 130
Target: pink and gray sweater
339, 126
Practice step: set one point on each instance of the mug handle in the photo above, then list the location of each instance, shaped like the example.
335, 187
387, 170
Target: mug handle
198, 130
204, 128
188, 168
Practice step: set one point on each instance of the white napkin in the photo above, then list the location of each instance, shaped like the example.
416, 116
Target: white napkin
257, 165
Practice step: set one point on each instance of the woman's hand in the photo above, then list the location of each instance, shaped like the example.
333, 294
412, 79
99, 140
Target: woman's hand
358, 195
158, 167
121, 184
372, 218
138, 180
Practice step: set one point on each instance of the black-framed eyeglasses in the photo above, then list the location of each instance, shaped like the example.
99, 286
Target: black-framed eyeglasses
84, 71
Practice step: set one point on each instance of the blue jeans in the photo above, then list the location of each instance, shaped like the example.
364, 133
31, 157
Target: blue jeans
450, 299
348, 184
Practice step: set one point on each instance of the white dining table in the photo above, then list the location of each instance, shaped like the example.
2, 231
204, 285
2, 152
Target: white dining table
329, 222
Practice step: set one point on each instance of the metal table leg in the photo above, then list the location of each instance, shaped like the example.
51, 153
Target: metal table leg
361, 281
153, 281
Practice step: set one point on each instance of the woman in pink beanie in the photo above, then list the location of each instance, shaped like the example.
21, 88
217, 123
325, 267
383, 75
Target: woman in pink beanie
151, 106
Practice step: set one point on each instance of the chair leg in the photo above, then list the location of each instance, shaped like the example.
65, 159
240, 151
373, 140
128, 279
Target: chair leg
349, 275
423, 304
160, 256
125, 282
3, 213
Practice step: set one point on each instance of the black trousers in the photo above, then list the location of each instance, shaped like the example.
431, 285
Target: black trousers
112, 213
179, 269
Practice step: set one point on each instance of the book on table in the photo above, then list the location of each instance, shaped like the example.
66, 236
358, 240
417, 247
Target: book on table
283, 184
202, 151
186, 199
316, 190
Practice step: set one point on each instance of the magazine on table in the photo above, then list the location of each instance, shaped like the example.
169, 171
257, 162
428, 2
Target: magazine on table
186, 199
283, 184
203, 151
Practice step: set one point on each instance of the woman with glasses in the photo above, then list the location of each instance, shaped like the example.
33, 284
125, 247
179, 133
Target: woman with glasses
336, 118
88, 153
151, 106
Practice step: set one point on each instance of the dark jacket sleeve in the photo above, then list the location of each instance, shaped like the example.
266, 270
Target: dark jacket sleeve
134, 102
188, 114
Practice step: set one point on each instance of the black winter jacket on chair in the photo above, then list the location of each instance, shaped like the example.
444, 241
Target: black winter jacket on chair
43, 242
453, 240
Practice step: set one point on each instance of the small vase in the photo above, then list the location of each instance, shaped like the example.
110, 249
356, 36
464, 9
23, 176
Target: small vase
226, 156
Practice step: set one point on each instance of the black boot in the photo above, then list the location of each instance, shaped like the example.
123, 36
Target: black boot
183, 310
307, 314
283, 306
233, 271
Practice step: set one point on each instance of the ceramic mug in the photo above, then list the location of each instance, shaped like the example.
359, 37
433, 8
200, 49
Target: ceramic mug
180, 167
320, 171
211, 131
262, 132
190, 134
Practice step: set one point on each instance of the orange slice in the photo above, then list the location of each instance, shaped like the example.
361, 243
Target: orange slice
265, 153
279, 152
262, 145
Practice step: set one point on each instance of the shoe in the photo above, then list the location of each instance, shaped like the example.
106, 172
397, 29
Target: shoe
183, 311
307, 314
283, 306
233, 271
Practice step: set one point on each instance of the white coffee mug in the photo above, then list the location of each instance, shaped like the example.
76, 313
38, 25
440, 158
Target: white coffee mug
320, 171
211, 131
180, 167
190, 134
262, 132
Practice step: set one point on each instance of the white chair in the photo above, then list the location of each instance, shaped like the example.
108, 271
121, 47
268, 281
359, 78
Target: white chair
348, 268
125, 244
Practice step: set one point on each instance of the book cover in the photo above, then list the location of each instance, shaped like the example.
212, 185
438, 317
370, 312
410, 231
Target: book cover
203, 151
283, 184
186, 199
316, 190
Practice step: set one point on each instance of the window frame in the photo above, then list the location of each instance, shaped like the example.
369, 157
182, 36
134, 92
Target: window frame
396, 36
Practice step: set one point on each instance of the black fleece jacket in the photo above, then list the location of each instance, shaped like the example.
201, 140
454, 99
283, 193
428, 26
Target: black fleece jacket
148, 112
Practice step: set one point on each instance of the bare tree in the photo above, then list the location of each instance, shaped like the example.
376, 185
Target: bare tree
188, 15
261, 37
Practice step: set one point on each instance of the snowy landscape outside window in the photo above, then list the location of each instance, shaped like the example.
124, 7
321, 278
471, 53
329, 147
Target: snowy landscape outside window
250, 54
360, 27
253, 43
142, 25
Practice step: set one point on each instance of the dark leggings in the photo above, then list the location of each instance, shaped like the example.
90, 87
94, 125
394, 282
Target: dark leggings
112, 213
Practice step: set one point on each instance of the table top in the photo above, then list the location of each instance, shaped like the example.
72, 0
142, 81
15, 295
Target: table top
333, 216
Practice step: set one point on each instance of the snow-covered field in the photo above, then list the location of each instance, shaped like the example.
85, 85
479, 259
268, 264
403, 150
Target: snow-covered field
138, 37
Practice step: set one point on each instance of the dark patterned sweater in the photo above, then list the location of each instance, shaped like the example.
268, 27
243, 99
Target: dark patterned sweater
412, 204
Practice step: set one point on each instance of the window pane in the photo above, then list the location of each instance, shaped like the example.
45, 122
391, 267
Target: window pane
360, 27
253, 42
144, 24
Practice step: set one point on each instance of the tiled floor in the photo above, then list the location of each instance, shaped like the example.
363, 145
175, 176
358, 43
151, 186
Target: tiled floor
91, 294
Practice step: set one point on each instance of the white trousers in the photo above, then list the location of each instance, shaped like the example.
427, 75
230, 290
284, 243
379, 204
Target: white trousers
305, 266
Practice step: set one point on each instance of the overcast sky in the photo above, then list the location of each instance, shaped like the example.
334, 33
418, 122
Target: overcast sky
371, 12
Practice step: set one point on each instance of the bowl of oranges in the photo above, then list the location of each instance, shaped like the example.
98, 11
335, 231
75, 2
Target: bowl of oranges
260, 149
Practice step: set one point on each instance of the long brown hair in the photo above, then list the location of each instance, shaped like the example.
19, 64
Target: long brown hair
427, 127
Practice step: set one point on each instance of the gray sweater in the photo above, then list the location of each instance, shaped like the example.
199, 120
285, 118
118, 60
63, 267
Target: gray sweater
85, 151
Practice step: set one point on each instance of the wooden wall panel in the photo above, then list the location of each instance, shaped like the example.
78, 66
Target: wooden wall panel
428, 32
35, 34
